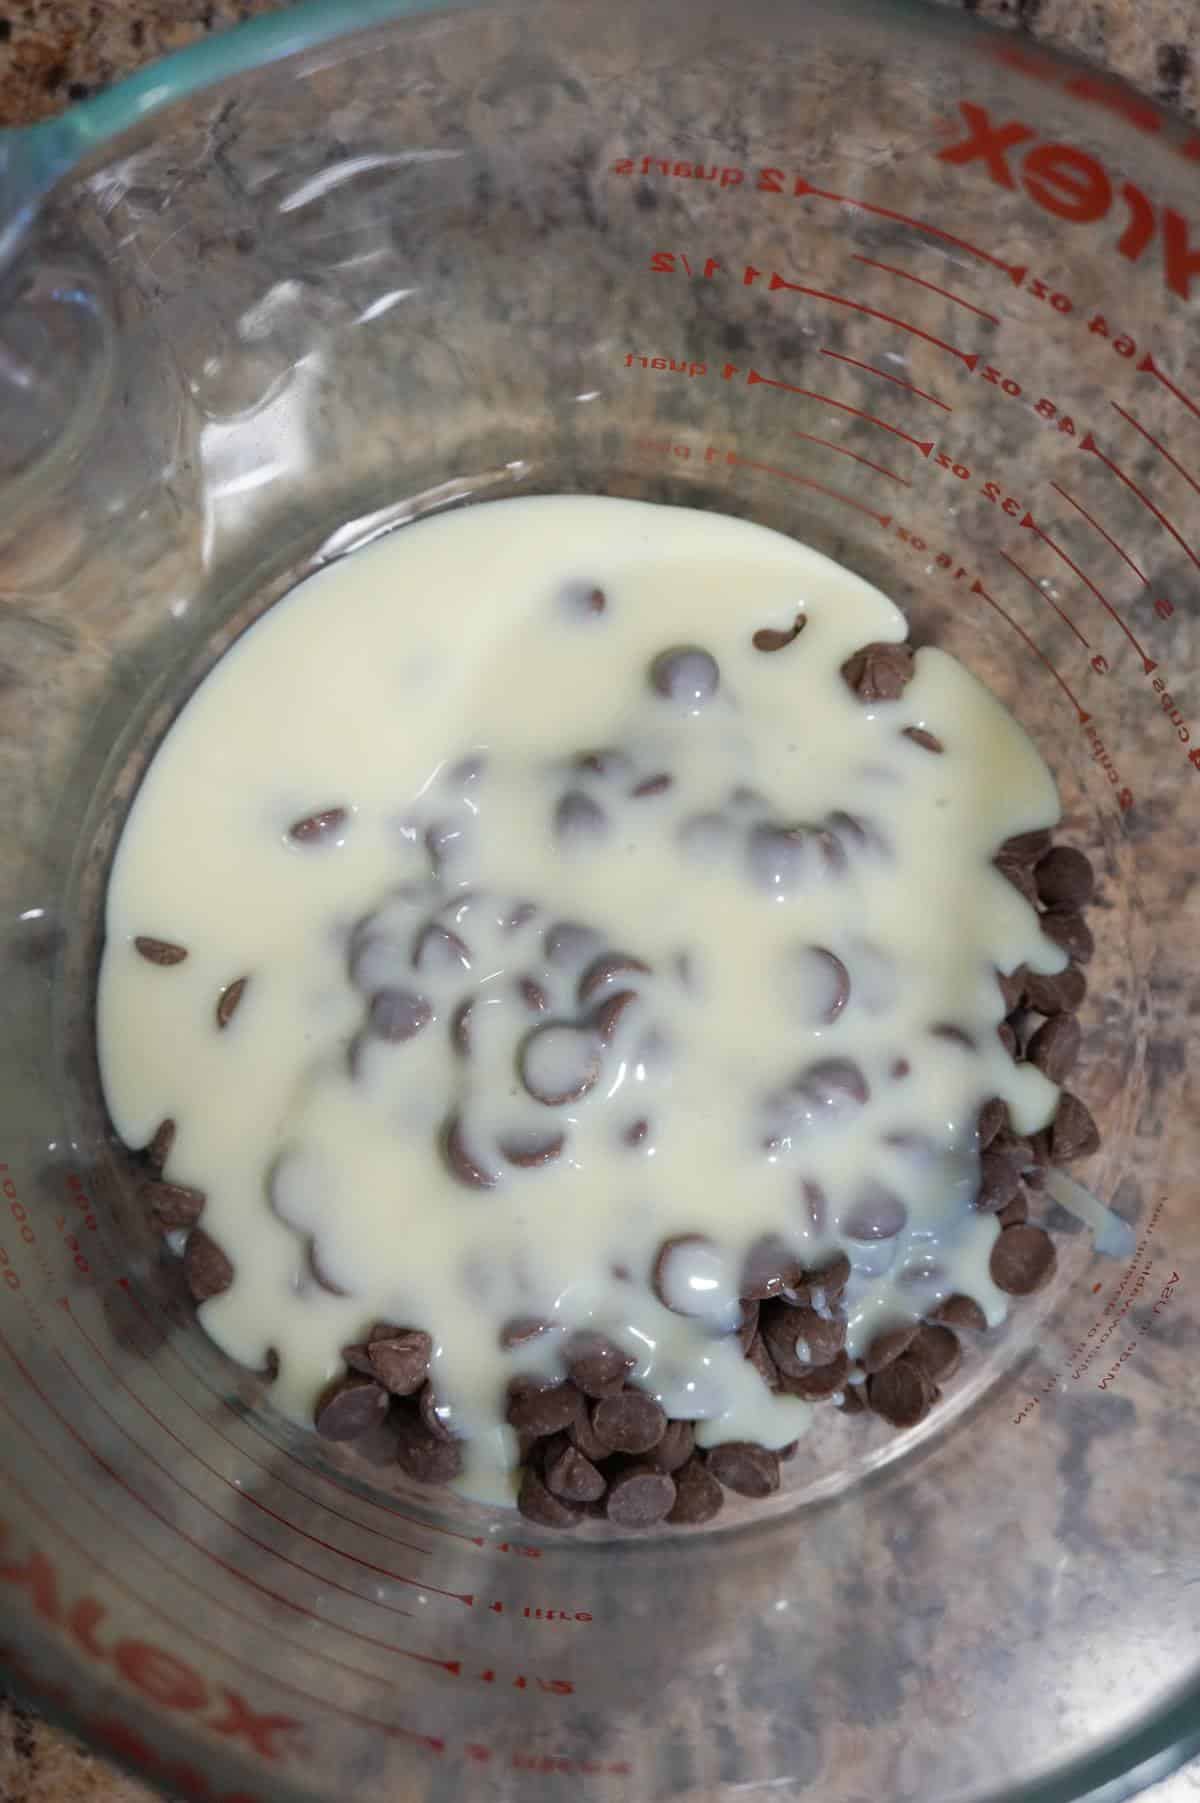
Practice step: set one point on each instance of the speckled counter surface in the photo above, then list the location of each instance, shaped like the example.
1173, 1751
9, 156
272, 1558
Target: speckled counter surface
54, 52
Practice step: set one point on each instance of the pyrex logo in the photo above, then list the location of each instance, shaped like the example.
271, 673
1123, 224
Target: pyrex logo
1075, 186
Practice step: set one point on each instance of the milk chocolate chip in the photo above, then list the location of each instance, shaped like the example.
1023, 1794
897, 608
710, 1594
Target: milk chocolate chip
173, 1204
1060, 994
1069, 930
1065, 878
698, 1495
879, 671
227, 1001
399, 1014
1023, 1260
572, 1477
1073, 1132
349, 1407
902, 1393
596, 1366
539, 1504
743, 1466
640, 1497
926, 740
160, 951
631, 1422
316, 829
401, 1362
960, 1311
464, 1165
205, 1266
936, 1350
775, 638
423, 1456
686, 675
539, 1408
559, 1064
159, 1149
1054, 1048
888, 1346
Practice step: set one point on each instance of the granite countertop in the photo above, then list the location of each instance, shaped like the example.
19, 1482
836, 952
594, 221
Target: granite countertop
53, 52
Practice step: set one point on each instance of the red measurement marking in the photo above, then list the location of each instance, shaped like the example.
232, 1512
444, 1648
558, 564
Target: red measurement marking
1150, 368
906, 276
888, 377
827, 444
769, 469
174, 1481
1016, 275
243, 1495
1031, 525
1080, 508
1088, 443
977, 588
1160, 448
426, 1527
1040, 592
970, 358
222, 1650
753, 380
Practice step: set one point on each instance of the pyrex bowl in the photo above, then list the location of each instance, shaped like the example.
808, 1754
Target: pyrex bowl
892, 283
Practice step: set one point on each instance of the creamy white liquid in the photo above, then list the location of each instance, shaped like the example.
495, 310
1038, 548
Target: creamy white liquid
438, 686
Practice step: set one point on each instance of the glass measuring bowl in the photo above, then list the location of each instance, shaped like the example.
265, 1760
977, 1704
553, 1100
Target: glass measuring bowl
889, 282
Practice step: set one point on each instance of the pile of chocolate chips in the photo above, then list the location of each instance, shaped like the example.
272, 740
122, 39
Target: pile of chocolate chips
593, 1444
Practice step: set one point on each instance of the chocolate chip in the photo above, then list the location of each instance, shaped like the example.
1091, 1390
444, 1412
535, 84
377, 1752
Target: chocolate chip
603, 972
960, 1311
439, 951
833, 1086
573, 1477
316, 829
946, 1030
854, 1401
348, 1407
675, 1448
539, 1504
1012, 988
999, 1180
529, 1149
686, 1271
1054, 1048
901, 1393
652, 785
159, 1149
559, 1064
524, 1328
464, 1165
1073, 1132
636, 1132
583, 601
640, 1497
748, 1325
769, 1268
698, 1495
687, 675
879, 671
227, 1001
1029, 847
1065, 878
399, 1014
581, 1434
205, 1266
567, 942
160, 951
1019, 875
1016, 1212
936, 1350
423, 1456
799, 1338
758, 1356
631, 1422
610, 1013
596, 1366
431, 1412
773, 638
926, 740
533, 995
877, 1214
992, 1117
173, 1204
831, 1278
743, 1466
1060, 994
579, 820
539, 1408
444, 840
1071, 932
401, 1362
460, 1028
1006, 1033
1023, 1260
824, 982
821, 1382
886, 1347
